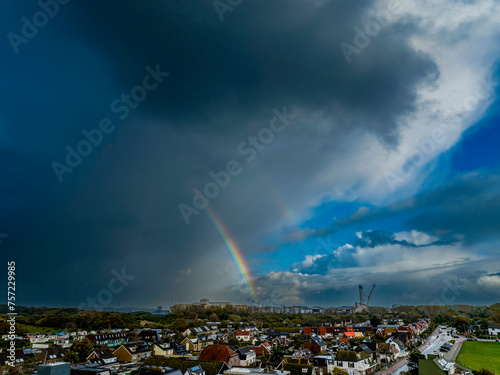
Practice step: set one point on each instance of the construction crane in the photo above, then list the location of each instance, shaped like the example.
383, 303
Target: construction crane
362, 297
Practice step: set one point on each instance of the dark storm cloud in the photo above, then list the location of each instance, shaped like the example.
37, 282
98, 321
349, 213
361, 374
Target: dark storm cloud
119, 208
224, 74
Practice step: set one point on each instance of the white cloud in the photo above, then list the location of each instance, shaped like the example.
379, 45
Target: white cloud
415, 237
490, 282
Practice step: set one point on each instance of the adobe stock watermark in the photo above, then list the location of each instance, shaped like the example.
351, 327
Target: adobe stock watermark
363, 35
223, 6
326, 244
30, 26
121, 108
249, 149
451, 291
428, 147
105, 296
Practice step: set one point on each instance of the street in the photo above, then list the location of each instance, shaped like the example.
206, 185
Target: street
430, 347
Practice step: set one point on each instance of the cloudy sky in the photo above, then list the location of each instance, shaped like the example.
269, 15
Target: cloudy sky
330, 143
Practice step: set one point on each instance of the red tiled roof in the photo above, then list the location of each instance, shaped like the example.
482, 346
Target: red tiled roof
220, 353
262, 349
350, 334
242, 333
310, 330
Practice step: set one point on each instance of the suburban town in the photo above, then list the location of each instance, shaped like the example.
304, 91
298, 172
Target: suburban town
216, 338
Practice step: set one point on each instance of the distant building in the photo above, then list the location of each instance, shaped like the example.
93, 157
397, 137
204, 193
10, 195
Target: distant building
204, 302
494, 329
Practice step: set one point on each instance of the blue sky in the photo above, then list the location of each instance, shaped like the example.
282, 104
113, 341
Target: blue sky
332, 168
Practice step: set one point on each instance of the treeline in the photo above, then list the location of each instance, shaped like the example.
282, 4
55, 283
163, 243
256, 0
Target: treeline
73, 318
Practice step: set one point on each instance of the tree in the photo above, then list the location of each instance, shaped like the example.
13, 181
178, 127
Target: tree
483, 371
339, 371
377, 337
375, 321
461, 322
412, 363
12, 370
82, 349
179, 325
385, 349
213, 318
71, 356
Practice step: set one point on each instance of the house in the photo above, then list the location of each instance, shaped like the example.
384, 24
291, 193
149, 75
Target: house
404, 335
263, 349
310, 330
148, 336
62, 341
222, 337
206, 340
196, 370
279, 338
326, 332
193, 344
354, 363
397, 347
164, 349
303, 353
108, 339
494, 329
325, 364
242, 336
220, 353
315, 344
247, 356
197, 331
368, 348
37, 338
102, 357
20, 356
297, 366
53, 353
132, 352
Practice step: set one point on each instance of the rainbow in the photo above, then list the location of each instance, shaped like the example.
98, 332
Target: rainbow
235, 252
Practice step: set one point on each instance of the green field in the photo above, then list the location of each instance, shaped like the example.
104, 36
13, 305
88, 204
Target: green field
33, 329
480, 354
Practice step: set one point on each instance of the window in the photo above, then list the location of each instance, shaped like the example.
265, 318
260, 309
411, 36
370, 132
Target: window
351, 364
304, 370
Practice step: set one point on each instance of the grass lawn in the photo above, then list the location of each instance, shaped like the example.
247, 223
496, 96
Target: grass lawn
33, 329
480, 354
428, 367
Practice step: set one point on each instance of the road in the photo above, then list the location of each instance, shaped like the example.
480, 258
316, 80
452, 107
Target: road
432, 345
